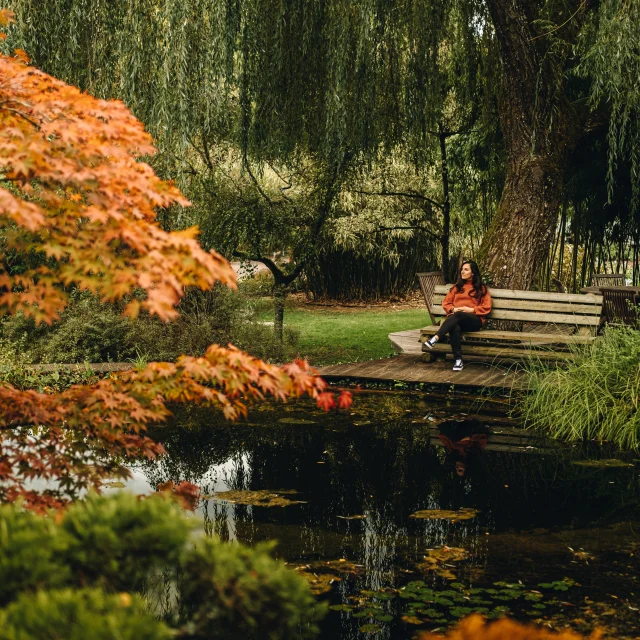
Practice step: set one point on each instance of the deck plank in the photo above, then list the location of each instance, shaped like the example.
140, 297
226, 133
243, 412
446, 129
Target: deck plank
411, 368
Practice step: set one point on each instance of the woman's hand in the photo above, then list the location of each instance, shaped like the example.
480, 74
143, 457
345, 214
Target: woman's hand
463, 309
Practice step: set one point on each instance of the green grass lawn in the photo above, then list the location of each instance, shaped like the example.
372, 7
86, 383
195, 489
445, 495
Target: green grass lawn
330, 336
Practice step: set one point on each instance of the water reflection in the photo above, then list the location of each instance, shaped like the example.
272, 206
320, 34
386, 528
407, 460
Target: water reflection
362, 475
464, 440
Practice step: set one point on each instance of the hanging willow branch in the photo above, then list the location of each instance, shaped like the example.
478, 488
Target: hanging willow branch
334, 75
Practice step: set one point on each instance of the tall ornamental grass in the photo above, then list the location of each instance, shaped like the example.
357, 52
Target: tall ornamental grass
593, 396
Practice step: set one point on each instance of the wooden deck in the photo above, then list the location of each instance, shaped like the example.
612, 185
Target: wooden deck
411, 368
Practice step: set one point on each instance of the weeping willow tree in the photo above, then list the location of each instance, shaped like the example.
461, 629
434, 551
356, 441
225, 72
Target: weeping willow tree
340, 79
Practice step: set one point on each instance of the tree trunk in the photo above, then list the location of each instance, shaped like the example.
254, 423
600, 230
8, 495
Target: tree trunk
539, 130
518, 239
280, 291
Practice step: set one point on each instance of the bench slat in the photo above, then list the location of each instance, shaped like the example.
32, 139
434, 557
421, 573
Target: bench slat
517, 336
505, 352
534, 316
584, 298
540, 305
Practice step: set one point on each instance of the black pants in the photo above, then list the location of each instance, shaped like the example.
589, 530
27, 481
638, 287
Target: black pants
454, 325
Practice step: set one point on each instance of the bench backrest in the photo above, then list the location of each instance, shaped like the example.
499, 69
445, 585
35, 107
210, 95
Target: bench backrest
608, 280
581, 311
428, 280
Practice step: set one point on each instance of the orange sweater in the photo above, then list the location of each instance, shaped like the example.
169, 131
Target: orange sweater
463, 299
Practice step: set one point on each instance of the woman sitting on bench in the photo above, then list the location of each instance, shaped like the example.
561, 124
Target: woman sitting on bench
466, 305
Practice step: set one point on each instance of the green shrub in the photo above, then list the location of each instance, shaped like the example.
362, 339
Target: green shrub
70, 576
79, 614
275, 602
118, 542
26, 563
594, 396
258, 285
91, 331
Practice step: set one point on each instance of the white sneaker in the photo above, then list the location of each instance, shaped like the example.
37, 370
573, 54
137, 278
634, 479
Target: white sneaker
458, 365
430, 342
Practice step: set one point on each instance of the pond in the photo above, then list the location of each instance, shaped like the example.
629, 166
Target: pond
546, 533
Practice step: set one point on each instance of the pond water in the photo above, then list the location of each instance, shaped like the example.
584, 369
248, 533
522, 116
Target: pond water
546, 533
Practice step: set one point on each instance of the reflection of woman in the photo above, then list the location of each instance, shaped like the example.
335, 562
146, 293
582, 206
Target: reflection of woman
463, 440
466, 305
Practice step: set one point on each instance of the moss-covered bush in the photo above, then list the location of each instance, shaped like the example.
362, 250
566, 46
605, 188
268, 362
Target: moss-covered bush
99, 568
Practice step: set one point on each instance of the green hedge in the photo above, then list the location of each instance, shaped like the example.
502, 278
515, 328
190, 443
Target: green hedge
104, 566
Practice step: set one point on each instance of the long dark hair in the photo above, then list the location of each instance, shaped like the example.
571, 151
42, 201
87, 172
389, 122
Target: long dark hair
479, 288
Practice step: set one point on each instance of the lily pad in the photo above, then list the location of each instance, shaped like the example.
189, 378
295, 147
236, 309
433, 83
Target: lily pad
605, 463
262, 498
322, 574
435, 559
319, 583
295, 421
370, 628
444, 514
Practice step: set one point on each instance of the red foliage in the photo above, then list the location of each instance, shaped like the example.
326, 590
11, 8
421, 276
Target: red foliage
75, 193
326, 401
476, 628
345, 400
186, 492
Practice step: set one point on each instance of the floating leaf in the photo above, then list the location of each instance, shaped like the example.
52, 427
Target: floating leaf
370, 628
322, 574
262, 498
295, 421
604, 463
383, 617
444, 514
435, 559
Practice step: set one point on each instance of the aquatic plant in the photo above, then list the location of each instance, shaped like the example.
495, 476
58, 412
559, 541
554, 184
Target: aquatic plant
594, 396
417, 603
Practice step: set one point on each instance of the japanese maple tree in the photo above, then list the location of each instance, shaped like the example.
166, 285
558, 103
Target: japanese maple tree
78, 207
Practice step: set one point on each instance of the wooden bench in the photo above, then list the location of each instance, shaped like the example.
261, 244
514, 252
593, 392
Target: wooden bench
547, 325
